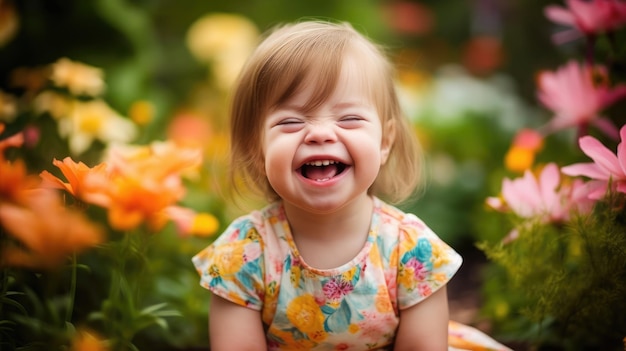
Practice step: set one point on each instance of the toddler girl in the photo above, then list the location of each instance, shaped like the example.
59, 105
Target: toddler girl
327, 265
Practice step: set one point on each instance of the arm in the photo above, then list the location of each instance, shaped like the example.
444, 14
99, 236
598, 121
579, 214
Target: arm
234, 327
424, 326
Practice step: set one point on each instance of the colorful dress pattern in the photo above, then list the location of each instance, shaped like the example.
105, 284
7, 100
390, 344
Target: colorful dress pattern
255, 263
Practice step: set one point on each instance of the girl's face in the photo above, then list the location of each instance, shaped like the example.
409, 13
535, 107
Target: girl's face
322, 160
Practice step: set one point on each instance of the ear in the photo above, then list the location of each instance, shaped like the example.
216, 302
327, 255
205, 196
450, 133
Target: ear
388, 138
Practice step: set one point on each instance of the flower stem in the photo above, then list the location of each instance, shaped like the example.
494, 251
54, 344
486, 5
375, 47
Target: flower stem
72, 297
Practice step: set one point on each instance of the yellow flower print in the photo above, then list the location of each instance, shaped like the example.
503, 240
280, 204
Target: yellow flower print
318, 336
252, 234
295, 276
439, 256
381, 301
236, 298
406, 277
349, 275
353, 328
304, 313
440, 277
375, 256
229, 259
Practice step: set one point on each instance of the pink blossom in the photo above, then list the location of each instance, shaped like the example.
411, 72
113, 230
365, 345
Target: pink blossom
335, 289
607, 166
577, 94
546, 197
419, 269
588, 17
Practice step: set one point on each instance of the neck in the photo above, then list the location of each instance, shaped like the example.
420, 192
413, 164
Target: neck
329, 240
350, 218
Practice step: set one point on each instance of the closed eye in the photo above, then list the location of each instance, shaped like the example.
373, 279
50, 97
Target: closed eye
351, 121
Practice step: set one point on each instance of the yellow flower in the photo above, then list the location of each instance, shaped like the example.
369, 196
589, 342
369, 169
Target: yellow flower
141, 112
188, 222
519, 159
229, 259
8, 107
381, 301
439, 255
353, 328
375, 256
225, 41
78, 78
57, 105
91, 120
304, 314
349, 275
406, 277
295, 276
221, 34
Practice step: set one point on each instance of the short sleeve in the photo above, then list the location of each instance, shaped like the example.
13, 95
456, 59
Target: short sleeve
232, 266
425, 262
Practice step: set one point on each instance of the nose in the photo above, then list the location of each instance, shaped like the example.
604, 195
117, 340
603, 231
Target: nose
320, 133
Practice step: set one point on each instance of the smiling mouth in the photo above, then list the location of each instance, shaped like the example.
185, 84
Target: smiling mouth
322, 170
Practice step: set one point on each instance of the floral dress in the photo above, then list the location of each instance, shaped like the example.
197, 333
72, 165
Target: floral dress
256, 264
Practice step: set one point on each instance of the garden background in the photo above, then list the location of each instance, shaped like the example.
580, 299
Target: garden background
142, 85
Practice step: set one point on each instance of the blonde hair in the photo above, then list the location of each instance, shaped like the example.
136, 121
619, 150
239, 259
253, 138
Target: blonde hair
313, 52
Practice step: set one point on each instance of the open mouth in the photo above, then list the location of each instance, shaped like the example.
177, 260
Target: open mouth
322, 170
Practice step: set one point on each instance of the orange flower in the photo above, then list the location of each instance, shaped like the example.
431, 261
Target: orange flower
521, 156
141, 183
75, 173
87, 340
46, 230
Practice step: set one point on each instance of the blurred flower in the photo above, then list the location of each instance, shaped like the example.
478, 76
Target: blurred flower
75, 173
521, 156
577, 94
141, 112
587, 17
91, 120
47, 231
57, 105
78, 78
607, 168
483, 55
87, 340
189, 129
140, 183
223, 40
189, 222
32, 80
8, 107
409, 17
9, 22
546, 198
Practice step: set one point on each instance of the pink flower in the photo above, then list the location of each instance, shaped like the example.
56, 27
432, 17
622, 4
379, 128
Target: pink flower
335, 289
546, 197
576, 94
607, 166
587, 17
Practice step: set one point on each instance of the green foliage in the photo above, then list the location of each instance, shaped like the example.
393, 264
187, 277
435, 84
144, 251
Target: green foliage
567, 282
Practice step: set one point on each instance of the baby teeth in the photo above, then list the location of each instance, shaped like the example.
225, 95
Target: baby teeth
321, 163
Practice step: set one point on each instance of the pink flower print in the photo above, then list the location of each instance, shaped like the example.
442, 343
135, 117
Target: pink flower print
588, 17
577, 94
251, 253
336, 288
607, 166
424, 289
375, 325
419, 269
